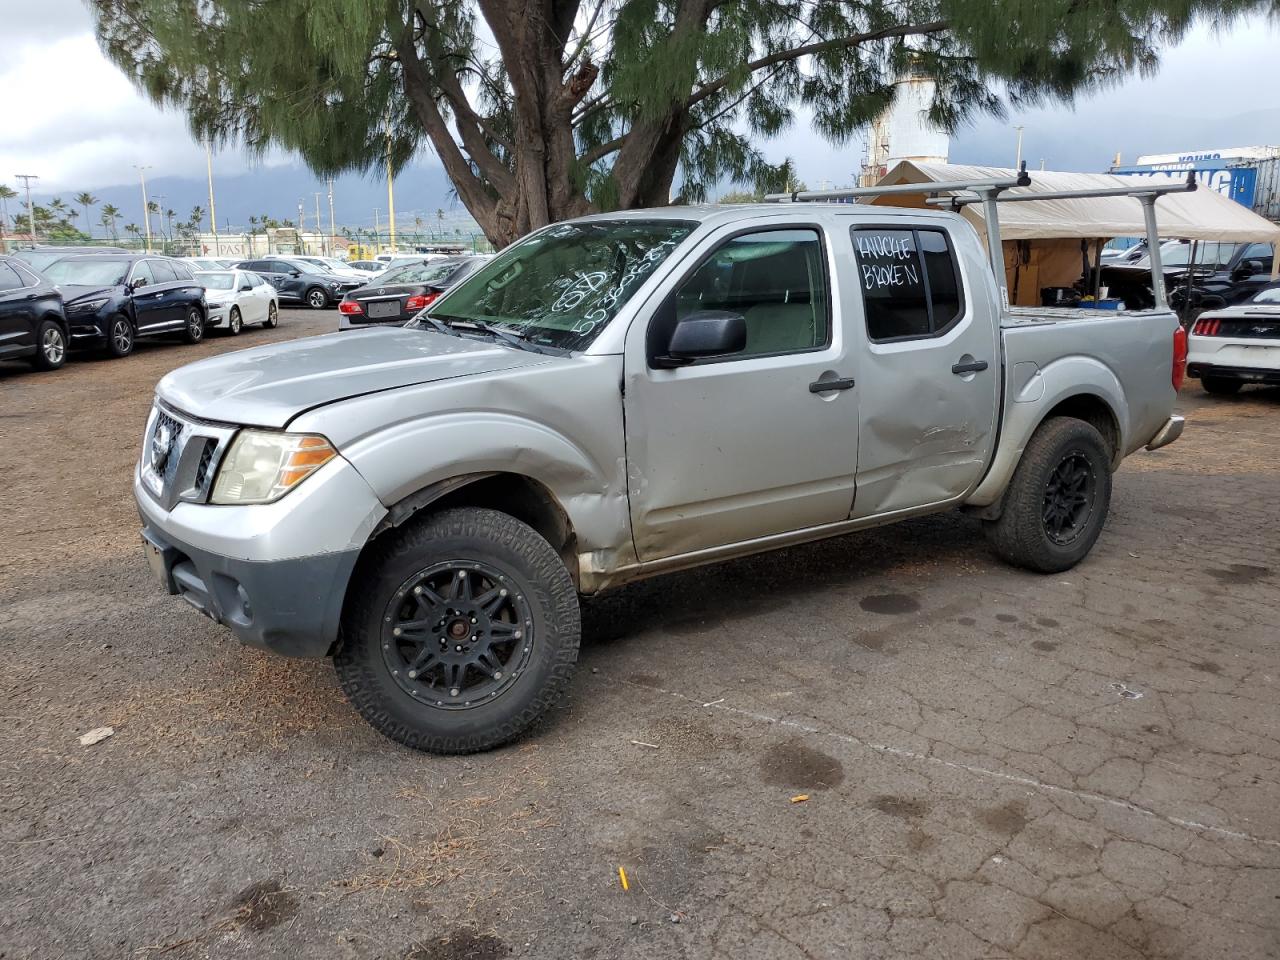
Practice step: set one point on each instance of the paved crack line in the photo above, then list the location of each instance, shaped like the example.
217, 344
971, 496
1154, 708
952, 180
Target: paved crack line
890, 750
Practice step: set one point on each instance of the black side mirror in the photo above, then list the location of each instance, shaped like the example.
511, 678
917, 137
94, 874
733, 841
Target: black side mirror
246, 287
137, 284
1249, 268
295, 273
706, 333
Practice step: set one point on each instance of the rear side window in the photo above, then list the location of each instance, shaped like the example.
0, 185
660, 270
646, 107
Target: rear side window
162, 272
180, 271
9, 279
910, 283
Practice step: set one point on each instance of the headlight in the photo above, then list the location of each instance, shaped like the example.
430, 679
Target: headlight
216, 304
262, 466
88, 306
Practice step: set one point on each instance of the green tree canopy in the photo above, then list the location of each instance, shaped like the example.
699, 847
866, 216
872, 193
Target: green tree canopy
544, 109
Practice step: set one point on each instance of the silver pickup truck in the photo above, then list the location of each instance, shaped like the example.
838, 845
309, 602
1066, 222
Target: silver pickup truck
621, 396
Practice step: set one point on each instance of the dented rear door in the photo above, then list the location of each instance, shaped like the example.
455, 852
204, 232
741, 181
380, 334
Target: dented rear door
929, 384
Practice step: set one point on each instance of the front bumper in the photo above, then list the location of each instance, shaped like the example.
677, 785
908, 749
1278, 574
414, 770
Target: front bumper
87, 331
275, 574
217, 316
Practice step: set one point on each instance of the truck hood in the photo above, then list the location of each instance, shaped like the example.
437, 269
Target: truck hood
268, 386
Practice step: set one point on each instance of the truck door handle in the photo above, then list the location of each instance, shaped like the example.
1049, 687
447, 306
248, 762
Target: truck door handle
822, 386
973, 366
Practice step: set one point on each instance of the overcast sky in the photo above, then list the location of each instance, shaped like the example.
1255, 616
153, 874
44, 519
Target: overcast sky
69, 116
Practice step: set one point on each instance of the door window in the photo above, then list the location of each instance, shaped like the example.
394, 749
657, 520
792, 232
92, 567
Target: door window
162, 272
9, 279
777, 281
142, 275
910, 285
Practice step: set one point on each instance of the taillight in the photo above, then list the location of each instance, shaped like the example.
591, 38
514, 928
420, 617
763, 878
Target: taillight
1179, 357
350, 307
421, 300
1207, 328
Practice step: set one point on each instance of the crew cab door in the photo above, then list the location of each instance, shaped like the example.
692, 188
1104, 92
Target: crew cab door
732, 448
929, 388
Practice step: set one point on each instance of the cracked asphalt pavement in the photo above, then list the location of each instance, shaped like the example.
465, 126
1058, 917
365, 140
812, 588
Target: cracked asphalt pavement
997, 764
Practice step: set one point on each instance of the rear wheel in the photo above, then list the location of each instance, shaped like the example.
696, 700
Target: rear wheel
463, 630
51, 346
235, 322
317, 299
1057, 500
119, 336
1220, 386
273, 316
193, 330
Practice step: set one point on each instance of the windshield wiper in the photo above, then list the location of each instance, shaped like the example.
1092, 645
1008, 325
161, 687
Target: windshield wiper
519, 340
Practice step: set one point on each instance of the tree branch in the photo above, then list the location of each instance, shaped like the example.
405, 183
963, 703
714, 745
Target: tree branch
822, 46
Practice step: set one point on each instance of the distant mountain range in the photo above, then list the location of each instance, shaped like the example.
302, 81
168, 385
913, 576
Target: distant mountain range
420, 190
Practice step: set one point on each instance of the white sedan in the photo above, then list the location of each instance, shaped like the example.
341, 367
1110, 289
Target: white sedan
237, 297
1236, 345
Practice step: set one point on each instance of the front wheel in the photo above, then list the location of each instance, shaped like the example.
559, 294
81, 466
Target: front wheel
235, 322
1221, 386
273, 316
51, 346
317, 299
119, 337
193, 330
1057, 500
461, 631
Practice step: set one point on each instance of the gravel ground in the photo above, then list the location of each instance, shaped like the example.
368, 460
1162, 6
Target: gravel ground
997, 764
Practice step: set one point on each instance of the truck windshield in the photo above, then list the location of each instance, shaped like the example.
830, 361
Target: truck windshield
562, 285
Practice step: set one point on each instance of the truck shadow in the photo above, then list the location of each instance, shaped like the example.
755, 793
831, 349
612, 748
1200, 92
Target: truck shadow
696, 601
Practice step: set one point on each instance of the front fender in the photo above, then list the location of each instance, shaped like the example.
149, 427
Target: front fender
1032, 398
412, 456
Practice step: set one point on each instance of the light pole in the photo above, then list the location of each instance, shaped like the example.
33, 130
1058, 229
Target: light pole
301, 226
26, 179
391, 189
324, 247
377, 229
1017, 160
146, 206
331, 227
213, 211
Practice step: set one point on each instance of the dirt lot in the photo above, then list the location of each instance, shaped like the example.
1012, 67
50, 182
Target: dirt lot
997, 764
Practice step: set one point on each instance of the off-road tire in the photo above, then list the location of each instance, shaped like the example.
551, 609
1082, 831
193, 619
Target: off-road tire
193, 326
235, 322
1221, 386
535, 574
1020, 535
121, 337
51, 346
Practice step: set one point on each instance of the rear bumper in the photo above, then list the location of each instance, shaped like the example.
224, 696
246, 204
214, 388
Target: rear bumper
1170, 432
1245, 374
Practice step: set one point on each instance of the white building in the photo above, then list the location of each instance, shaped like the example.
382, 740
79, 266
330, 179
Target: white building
903, 131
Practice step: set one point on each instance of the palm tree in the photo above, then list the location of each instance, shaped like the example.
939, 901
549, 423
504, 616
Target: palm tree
86, 200
168, 216
132, 229
197, 217
110, 214
440, 219
417, 226
7, 193
152, 207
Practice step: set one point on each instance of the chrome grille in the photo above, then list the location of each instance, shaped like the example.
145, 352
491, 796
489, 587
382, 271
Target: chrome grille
180, 456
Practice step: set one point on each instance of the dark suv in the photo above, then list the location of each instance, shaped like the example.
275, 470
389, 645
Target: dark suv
112, 299
300, 282
32, 322
41, 258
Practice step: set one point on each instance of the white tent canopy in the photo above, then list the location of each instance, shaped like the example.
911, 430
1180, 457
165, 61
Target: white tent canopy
1200, 215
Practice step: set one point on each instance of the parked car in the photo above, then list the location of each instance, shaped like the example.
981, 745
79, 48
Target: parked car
400, 294
299, 282
111, 300
1236, 345
237, 297
199, 264
41, 257
616, 397
367, 266
33, 323
1223, 273
335, 266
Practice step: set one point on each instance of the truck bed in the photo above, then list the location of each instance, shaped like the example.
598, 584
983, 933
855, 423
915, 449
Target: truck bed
1024, 316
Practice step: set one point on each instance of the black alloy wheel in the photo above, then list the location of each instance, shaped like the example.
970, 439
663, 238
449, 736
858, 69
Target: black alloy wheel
457, 634
1069, 495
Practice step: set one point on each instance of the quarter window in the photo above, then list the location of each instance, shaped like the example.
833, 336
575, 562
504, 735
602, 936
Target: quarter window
910, 285
163, 272
776, 279
9, 279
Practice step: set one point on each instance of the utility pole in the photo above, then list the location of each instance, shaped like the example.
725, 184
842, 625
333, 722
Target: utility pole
213, 211
391, 189
146, 206
1017, 160
324, 247
377, 228
332, 231
26, 179
302, 225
